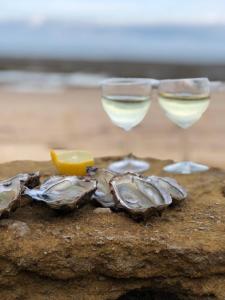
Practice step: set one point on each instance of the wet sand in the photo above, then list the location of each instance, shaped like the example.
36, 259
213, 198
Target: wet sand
31, 123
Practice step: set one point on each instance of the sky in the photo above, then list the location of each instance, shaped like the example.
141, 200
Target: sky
116, 12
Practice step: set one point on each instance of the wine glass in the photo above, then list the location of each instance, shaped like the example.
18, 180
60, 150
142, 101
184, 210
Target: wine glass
126, 101
184, 101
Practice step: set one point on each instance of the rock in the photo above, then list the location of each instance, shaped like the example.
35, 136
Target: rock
99, 256
14, 227
102, 210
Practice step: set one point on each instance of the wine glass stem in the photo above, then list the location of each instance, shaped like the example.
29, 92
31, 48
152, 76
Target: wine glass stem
127, 145
184, 144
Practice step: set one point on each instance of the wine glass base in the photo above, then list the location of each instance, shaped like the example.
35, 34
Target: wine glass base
129, 165
185, 167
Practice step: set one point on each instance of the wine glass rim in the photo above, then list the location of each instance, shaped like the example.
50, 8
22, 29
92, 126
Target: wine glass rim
181, 79
126, 81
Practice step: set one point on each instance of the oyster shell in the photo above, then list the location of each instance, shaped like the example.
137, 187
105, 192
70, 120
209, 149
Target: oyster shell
176, 191
137, 195
11, 189
10, 192
29, 180
65, 193
103, 194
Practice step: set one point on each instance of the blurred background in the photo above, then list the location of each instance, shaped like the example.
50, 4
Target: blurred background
54, 54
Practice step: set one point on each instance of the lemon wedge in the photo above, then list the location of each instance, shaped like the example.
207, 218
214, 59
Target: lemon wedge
72, 162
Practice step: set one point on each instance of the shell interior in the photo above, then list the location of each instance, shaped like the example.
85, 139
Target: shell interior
62, 192
137, 194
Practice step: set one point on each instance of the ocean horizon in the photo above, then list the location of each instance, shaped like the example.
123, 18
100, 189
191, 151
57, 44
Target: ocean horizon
189, 44
91, 52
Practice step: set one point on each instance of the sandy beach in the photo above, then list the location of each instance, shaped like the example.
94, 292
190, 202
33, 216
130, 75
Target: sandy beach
32, 123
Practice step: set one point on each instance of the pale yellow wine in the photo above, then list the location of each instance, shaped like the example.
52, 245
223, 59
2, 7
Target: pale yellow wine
184, 110
126, 111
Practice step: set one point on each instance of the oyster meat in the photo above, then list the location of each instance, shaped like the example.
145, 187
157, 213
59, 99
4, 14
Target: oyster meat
103, 194
176, 191
65, 193
10, 192
137, 195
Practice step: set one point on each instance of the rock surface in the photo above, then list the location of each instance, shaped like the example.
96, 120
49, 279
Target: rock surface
99, 256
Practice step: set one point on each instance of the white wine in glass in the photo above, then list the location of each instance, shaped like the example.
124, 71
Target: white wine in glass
126, 101
126, 111
184, 101
184, 110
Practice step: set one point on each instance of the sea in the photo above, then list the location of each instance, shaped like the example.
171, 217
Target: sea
174, 44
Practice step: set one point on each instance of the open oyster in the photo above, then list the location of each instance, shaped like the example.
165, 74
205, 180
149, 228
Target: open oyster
103, 193
176, 191
29, 180
137, 195
11, 189
65, 193
10, 192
